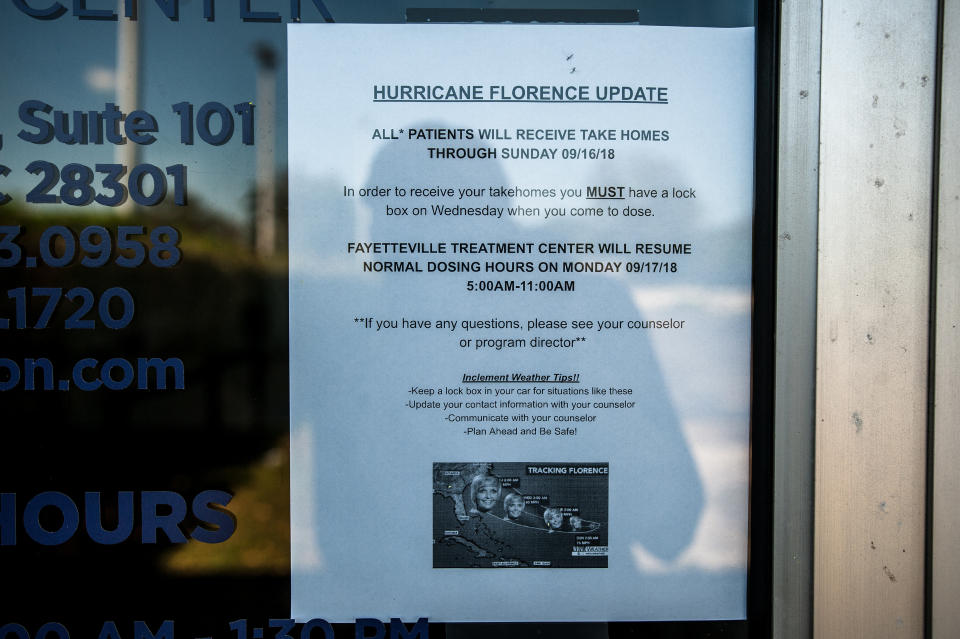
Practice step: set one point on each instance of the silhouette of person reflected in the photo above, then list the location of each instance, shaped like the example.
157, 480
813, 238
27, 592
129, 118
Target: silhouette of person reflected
656, 490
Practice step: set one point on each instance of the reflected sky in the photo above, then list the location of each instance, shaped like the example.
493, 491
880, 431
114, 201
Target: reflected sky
70, 64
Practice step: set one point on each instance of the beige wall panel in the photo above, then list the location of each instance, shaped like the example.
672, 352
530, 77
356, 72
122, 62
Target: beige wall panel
876, 137
946, 467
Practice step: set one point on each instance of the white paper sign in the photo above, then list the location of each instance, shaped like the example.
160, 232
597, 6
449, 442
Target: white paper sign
520, 321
